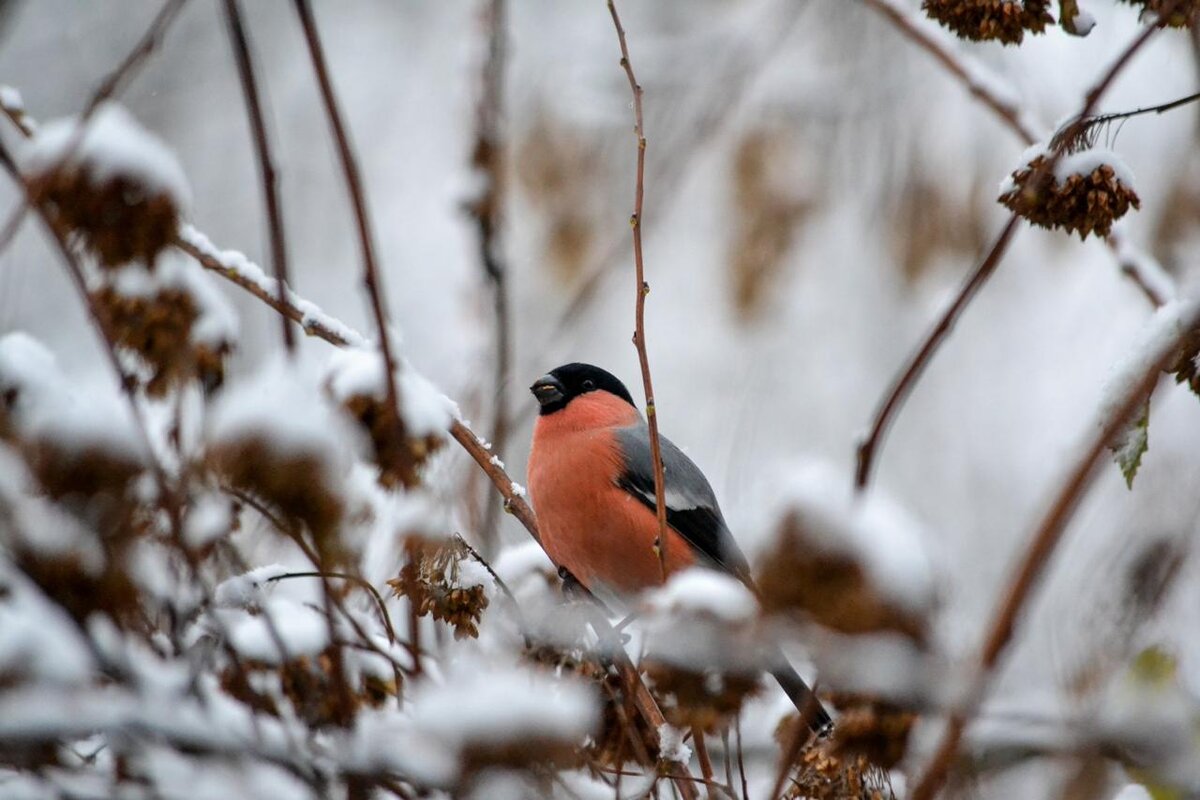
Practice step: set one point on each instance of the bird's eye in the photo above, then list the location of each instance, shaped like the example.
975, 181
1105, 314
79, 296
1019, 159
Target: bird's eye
588, 385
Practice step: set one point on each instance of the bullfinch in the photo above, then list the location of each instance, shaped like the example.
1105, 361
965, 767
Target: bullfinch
591, 481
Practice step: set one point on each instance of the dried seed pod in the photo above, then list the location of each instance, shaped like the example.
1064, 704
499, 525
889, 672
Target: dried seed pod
402, 440
871, 728
703, 699
442, 580
1006, 21
833, 589
1184, 13
294, 484
157, 328
115, 185
701, 647
308, 684
398, 455
822, 773
1088, 191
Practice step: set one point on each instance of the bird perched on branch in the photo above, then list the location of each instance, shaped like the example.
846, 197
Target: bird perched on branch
591, 480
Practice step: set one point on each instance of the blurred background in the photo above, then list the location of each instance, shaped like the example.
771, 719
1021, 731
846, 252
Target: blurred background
816, 190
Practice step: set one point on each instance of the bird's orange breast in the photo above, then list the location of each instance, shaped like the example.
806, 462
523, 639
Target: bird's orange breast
590, 525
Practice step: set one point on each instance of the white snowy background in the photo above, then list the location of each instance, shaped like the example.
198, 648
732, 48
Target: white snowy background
870, 140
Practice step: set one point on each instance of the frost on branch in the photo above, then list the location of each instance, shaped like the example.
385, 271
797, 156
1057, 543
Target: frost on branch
1086, 192
114, 183
702, 650
356, 380
1006, 21
850, 565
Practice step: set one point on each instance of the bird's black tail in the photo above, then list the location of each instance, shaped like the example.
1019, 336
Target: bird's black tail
812, 713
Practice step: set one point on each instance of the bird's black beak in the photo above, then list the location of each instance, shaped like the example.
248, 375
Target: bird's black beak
548, 389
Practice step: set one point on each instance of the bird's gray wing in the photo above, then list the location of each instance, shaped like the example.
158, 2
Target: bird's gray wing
692, 508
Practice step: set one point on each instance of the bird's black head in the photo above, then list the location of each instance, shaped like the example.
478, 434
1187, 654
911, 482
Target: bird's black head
560, 386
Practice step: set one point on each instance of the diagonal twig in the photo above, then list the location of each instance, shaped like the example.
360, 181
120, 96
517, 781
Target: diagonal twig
643, 289
487, 209
906, 380
1041, 547
262, 146
1148, 278
371, 273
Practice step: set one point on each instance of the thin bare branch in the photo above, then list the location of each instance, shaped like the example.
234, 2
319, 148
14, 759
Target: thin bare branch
1037, 556
371, 273
643, 289
266, 164
917, 31
487, 209
906, 380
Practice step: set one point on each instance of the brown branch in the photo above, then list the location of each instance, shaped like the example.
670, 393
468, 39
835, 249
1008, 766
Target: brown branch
371, 272
487, 209
1008, 113
903, 384
266, 165
1041, 547
643, 289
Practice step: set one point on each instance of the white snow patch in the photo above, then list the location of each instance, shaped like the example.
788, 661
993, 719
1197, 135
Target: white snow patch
113, 144
281, 405
873, 530
492, 706
360, 371
247, 589
51, 408
672, 746
705, 591
1085, 162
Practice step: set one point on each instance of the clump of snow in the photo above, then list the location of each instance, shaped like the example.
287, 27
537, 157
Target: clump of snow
10, 98
281, 405
672, 746
247, 589
216, 322
46, 406
469, 573
1166, 325
705, 591
209, 518
37, 638
359, 371
303, 630
490, 706
874, 531
1085, 162
112, 144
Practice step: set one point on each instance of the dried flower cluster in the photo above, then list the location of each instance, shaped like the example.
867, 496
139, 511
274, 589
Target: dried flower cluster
433, 580
802, 577
1084, 204
158, 328
398, 454
872, 729
309, 685
1006, 21
116, 218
